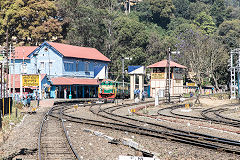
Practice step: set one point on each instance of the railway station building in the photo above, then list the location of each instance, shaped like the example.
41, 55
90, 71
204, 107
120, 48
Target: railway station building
159, 75
70, 71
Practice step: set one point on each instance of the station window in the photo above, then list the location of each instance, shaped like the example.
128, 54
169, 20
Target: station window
50, 64
86, 66
68, 66
177, 70
77, 65
42, 65
158, 70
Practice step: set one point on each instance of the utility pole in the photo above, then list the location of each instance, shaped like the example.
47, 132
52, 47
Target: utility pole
168, 77
13, 52
129, 6
9, 75
123, 74
7, 46
1, 81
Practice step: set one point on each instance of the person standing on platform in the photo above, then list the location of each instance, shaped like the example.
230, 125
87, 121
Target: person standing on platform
38, 98
56, 93
197, 92
65, 93
143, 95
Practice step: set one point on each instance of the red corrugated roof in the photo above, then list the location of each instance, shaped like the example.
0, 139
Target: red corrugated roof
79, 52
104, 80
163, 63
17, 81
71, 81
24, 51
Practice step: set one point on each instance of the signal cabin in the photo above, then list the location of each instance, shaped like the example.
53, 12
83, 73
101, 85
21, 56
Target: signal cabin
159, 78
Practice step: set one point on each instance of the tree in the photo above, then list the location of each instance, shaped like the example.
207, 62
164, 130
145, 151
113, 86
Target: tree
218, 11
143, 11
196, 8
176, 22
130, 40
229, 32
89, 23
23, 18
162, 11
202, 54
217, 57
205, 22
232, 13
181, 8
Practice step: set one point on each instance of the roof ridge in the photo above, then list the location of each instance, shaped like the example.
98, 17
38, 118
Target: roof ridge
69, 45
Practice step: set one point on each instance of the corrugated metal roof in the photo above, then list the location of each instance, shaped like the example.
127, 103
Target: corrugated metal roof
23, 51
66, 50
79, 52
72, 81
163, 63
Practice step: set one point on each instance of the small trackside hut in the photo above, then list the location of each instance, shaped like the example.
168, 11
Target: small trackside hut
159, 75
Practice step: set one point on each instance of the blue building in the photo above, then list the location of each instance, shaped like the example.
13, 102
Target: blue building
71, 69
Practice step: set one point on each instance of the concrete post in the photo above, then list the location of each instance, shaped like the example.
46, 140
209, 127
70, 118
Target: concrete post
40, 86
141, 84
21, 87
132, 79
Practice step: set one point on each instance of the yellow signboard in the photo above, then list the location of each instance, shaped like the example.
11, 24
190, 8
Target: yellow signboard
133, 110
75, 106
30, 80
158, 76
191, 84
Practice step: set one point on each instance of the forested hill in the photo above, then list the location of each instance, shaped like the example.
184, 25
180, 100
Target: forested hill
202, 30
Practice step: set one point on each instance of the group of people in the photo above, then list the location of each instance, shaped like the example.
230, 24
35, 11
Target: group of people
137, 93
26, 99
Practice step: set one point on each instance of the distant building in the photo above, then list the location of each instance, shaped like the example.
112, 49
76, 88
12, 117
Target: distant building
158, 77
72, 68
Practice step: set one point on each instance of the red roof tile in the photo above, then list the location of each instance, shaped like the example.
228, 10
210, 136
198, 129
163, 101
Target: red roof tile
79, 52
163, 63
17, 81
24, 51
71, 81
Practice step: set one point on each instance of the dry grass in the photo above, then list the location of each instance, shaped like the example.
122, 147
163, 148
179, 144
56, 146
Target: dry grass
9, 121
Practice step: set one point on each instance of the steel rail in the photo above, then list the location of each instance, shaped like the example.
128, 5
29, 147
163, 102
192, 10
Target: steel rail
174, 137
68, 139
209, 138
227, 118
40, 133
207, 111
49, 113
186, 132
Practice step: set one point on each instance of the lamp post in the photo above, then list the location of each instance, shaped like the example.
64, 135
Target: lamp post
169, 73
123, 58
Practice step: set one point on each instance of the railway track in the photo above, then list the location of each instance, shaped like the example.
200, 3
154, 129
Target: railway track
219, 114
53, 141
126, 124
211, 115
123, 123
